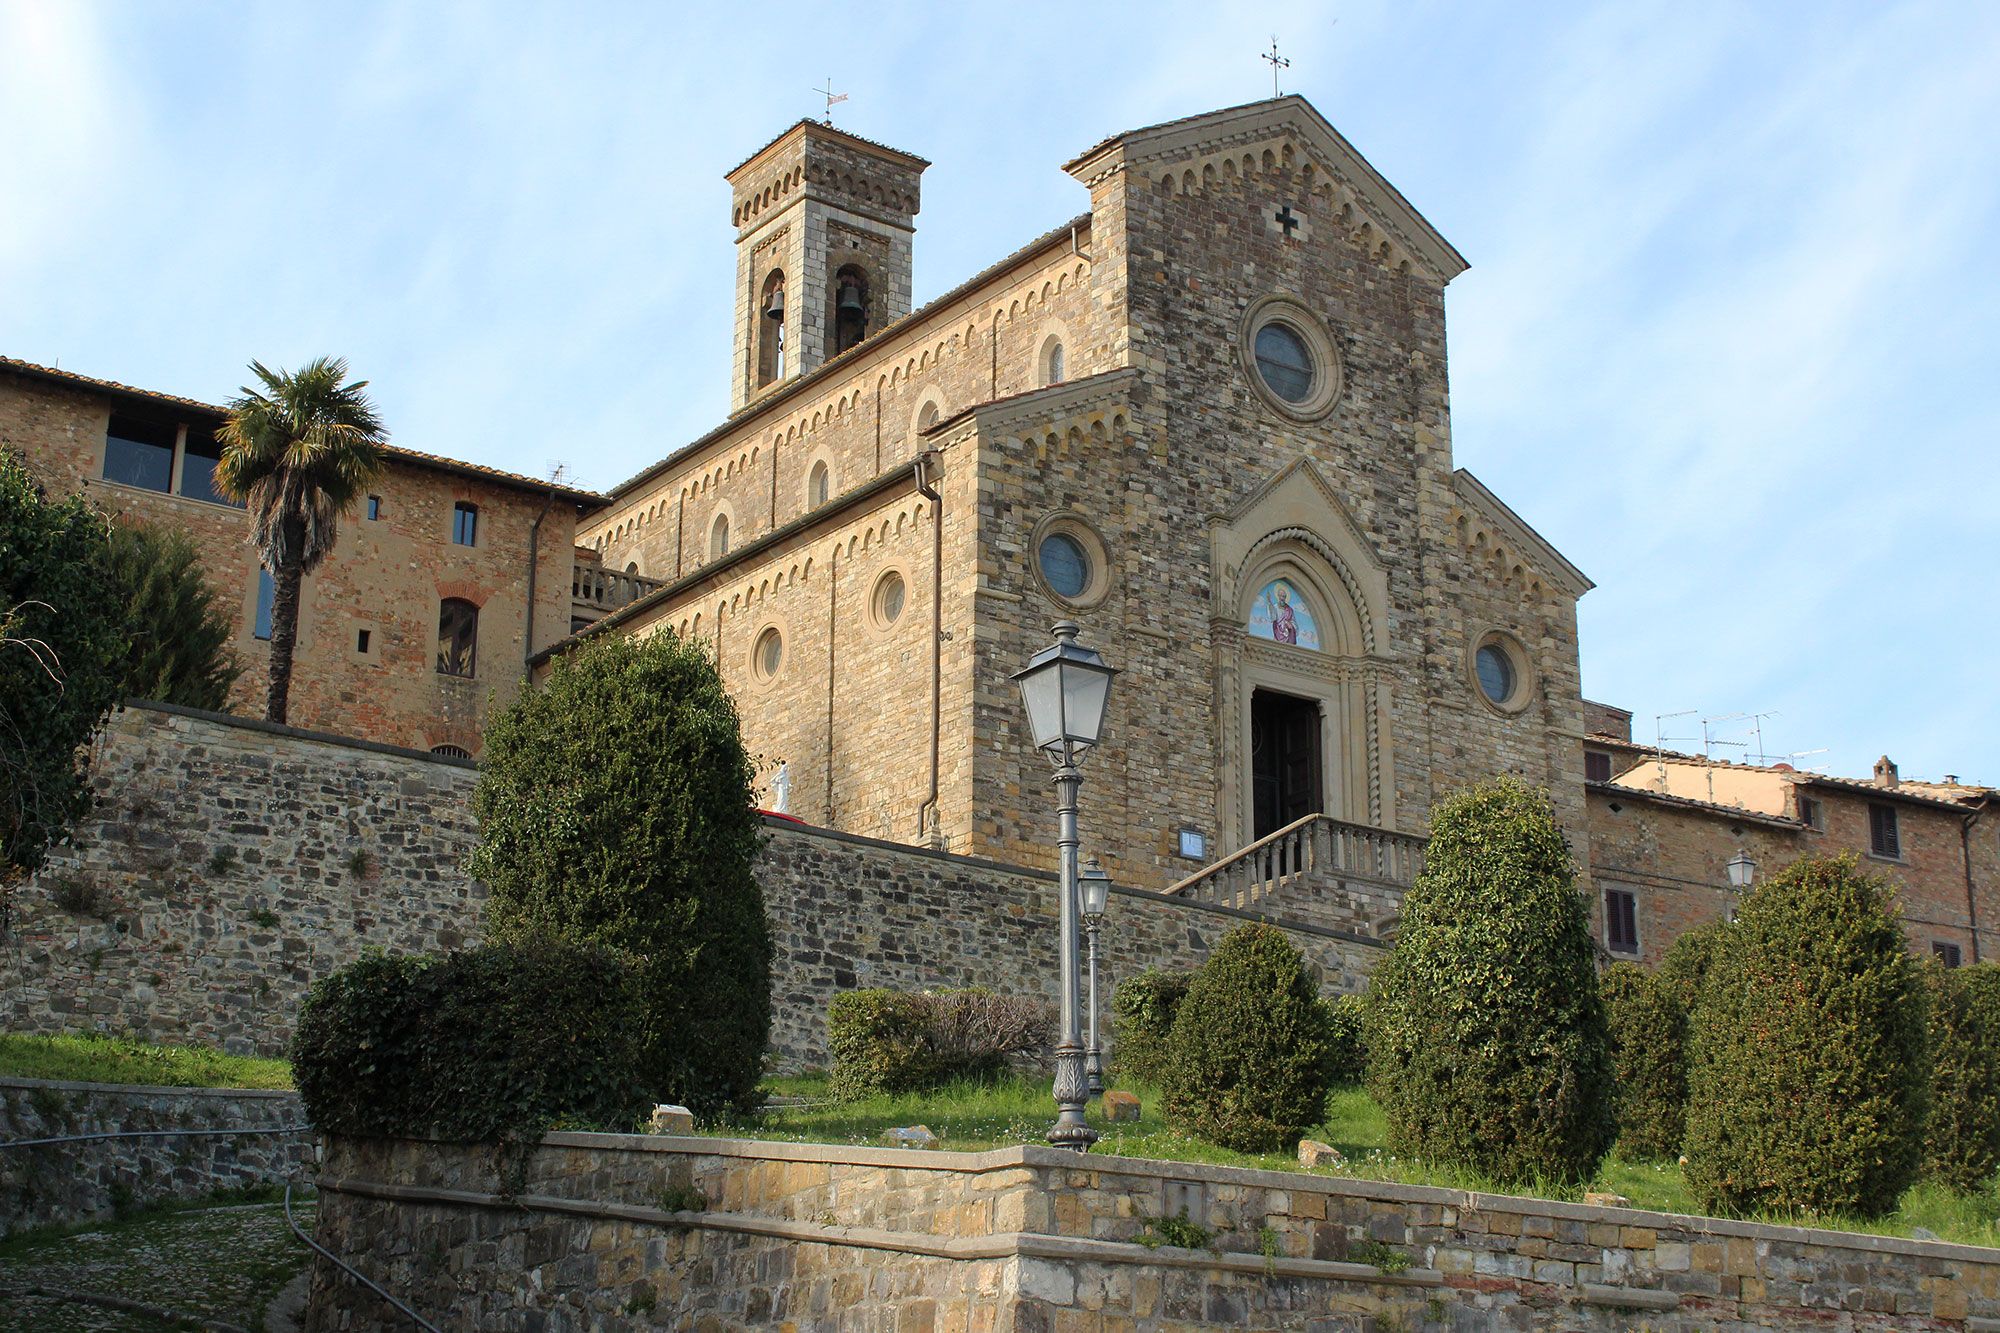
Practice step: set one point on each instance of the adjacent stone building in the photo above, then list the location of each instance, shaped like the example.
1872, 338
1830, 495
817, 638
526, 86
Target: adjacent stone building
1207, 419
444, 580
1665, 826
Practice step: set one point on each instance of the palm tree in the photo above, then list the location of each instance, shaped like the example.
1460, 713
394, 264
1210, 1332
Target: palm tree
298, 452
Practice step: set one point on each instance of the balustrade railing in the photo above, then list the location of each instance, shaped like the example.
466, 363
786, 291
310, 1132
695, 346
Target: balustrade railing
607, 589
1317, 851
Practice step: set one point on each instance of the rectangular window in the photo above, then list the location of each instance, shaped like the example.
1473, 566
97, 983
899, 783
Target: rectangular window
1621, 921
464, 523
1883, 839
198, 460
140, 453
361, 641
458, 637
1812, 812
267, 593
374, 507
1596, 766
1945, 952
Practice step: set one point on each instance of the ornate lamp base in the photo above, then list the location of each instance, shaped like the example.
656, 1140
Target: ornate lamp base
1071, 1130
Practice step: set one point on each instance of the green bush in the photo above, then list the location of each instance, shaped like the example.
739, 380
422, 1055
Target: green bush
58, 654
1808, 1067
1685, 966
493, 1044
1962, 1132
886, 1041
177, 632
1347, 1044
614, 808
1248, 1063
1487, 1045
1142, 1023
1648, 1053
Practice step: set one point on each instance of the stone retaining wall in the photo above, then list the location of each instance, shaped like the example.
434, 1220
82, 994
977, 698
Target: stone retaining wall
62, 1183
622, 1231
229, 863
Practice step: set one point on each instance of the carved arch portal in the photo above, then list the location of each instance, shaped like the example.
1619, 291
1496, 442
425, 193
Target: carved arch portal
1294, 534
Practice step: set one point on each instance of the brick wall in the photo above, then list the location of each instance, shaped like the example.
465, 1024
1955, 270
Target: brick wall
1033, 1238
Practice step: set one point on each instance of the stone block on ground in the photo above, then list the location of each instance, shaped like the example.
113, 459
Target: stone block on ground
1605, 1199
1314, 1153
672, 1120
1121, 1106
909, 1136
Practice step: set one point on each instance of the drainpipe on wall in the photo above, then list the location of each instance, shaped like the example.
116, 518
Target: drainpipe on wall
1971, 902
928, 459
534, 567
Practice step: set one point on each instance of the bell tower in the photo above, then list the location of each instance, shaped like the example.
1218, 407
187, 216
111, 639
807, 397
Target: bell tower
823, 227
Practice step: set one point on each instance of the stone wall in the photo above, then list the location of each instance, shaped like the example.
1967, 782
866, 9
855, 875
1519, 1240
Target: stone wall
230, 863
226, 866
62, 1183
607, 1231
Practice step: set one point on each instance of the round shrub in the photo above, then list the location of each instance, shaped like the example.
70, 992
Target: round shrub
1808, 1066
1962, 1131
487, 1045
1648, 1055
1247, 1062
886, 1041
1142, 1023
1486, 1036
614, 808
1685, 966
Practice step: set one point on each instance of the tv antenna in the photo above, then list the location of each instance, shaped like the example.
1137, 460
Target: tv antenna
1276, 62
1660, 739
833, 99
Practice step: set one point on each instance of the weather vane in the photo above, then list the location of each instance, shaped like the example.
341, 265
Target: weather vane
833, 99
1277, 63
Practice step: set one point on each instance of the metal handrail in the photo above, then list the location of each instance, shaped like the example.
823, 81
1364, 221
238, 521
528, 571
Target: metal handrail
350, 1270
150, 1134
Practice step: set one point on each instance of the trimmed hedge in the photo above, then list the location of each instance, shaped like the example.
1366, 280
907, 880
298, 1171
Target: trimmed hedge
1487, 1044
1648, 1051
1347, 1043
493, 1044
1808, 1062
1142, 1023
1962, 1132
1248, 1064
886, 1041
614, 808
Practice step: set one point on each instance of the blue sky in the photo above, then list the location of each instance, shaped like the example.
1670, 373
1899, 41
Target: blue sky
1728, 339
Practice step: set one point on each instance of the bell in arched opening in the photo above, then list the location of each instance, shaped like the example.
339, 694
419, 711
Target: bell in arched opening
850, 308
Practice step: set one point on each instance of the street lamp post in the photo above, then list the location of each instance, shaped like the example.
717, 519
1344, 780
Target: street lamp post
1742, 870
1095, 886
1064, 688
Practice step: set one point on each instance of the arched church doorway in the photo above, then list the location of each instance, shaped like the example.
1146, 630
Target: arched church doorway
1286, 763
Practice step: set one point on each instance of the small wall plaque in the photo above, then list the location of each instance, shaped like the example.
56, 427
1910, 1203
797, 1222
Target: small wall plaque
1194, 844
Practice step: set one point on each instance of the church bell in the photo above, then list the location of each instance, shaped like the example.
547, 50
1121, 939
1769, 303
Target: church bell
776, 308
849, 309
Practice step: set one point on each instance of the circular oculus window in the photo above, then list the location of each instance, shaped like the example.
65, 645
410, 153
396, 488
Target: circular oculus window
1498, 670
769, 654
890, 593
1290, 358
1065, 565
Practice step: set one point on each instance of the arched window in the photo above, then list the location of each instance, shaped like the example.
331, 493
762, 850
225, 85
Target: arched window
718, 538
458, 637
632, 567
451, 751
927, 418
819, 485
850, 308
1052, 362
771, 329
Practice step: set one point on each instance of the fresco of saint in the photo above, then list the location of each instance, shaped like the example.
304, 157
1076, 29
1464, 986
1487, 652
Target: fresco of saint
1281, 615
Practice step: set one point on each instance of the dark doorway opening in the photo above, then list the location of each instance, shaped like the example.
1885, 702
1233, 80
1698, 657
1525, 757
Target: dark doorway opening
1284, 760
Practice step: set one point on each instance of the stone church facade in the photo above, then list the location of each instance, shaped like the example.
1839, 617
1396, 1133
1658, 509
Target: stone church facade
1208, 420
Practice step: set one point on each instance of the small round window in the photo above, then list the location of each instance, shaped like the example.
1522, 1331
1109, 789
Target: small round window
1496, 673
770, 652
1065, 564
889, 594
1284, 362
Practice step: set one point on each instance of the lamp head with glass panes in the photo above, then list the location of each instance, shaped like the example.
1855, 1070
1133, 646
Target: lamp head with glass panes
1065, 688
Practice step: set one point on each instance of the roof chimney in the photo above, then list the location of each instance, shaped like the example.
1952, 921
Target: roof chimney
1951, 779
1885, 772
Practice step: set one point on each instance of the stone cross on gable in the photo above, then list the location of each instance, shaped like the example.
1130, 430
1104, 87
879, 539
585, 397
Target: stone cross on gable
1288, 222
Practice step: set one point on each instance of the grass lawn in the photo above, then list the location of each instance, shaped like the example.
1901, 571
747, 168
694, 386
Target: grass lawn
113, 1060
973, 1117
